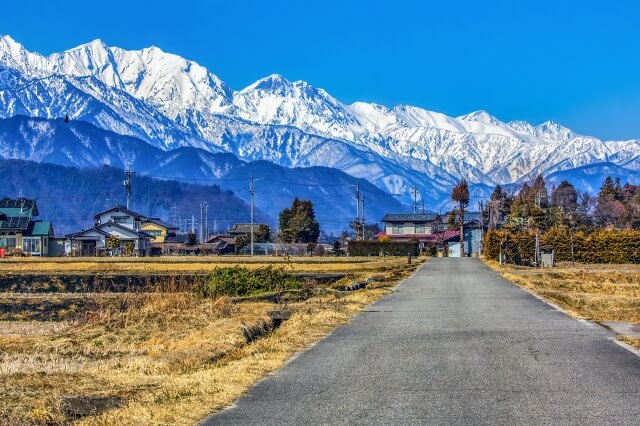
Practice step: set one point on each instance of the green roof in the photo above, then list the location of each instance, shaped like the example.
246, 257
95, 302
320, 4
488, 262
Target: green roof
39, 227
16, 211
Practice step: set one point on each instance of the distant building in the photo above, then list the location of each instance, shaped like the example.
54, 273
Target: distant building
411, 226
158, 229
221, 244
240, 229
19, 233
118, 222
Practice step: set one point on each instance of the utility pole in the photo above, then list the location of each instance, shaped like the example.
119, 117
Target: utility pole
481, 224
363, 217
201, 233
252, 191
127, 185
415, 199
206, 221
357, 222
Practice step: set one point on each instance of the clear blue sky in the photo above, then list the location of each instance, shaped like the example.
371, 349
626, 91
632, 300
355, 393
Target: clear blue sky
576, 62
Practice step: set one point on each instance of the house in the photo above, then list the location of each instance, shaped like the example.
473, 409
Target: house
240, 229
473, 231
223, 245
117, 223
411, 226
19, 233
157, 228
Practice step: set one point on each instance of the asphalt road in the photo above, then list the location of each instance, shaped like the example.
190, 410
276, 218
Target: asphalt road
454, 345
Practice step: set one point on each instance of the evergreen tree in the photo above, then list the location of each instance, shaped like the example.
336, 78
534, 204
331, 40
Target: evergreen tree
298, 224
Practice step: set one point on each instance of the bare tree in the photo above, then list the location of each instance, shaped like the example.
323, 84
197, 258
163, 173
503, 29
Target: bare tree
460, 195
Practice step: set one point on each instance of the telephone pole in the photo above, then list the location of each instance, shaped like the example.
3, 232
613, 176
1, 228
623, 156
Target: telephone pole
206, 221
203, 207
252, 191
363, 235
415, 199
127, 185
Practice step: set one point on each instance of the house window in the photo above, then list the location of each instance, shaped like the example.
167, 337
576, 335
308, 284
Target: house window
396, 229
8, 243
419, 228
120, 219
154, 232
31, 245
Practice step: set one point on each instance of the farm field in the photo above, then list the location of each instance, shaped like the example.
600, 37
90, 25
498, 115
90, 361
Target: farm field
190, 264
598, 292
165, 357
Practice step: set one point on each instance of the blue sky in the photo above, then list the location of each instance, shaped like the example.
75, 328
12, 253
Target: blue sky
577, 63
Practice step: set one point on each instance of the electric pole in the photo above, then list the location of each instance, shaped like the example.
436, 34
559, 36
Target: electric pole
363, 235
481, 224
252, 191
127, 185
357, 222
415, 199
206, 221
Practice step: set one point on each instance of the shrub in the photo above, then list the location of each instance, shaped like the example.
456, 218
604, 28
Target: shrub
601, 246
240, 281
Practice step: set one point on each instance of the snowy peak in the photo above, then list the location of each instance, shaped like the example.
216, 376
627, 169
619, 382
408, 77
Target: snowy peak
169, 81
276, 100
274, 85
553, 131
523, 127
481, 116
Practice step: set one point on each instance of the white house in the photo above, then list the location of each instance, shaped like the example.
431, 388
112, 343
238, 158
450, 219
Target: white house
118, 222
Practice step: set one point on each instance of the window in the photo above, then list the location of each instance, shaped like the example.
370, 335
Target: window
154, 232
419, 228
120, 219
396, 229
8, 243
31, 245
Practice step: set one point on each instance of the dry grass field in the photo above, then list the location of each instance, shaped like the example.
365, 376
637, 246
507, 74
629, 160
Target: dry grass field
595, 292
169, 358
189, 264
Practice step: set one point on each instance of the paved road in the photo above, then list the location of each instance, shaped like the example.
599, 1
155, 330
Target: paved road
454, 345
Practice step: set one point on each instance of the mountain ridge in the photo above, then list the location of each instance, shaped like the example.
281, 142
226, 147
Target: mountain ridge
180, 103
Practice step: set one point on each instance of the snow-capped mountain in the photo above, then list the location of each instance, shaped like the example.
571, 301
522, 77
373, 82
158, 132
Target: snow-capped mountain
172, 102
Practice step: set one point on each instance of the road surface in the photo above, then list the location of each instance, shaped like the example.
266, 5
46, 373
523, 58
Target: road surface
454, 345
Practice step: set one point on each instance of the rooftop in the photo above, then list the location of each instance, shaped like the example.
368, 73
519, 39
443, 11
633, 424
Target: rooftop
411, 217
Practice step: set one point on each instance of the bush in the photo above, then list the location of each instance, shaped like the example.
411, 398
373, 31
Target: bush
240, 281
601, 246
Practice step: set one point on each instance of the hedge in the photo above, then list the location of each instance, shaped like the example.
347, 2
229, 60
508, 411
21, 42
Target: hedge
373, 248
602, 246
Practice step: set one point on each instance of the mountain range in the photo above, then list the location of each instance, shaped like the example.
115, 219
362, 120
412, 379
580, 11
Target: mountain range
163, 101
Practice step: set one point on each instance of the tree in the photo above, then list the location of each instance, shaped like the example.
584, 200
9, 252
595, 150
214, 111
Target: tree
337, 248
261, 234
565, 196
113, 242
610, 210
460, 195
498, 206
191, 239
298, 224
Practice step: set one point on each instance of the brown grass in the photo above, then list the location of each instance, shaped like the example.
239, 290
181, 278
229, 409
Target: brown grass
193, 264
171, 358
595, 292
